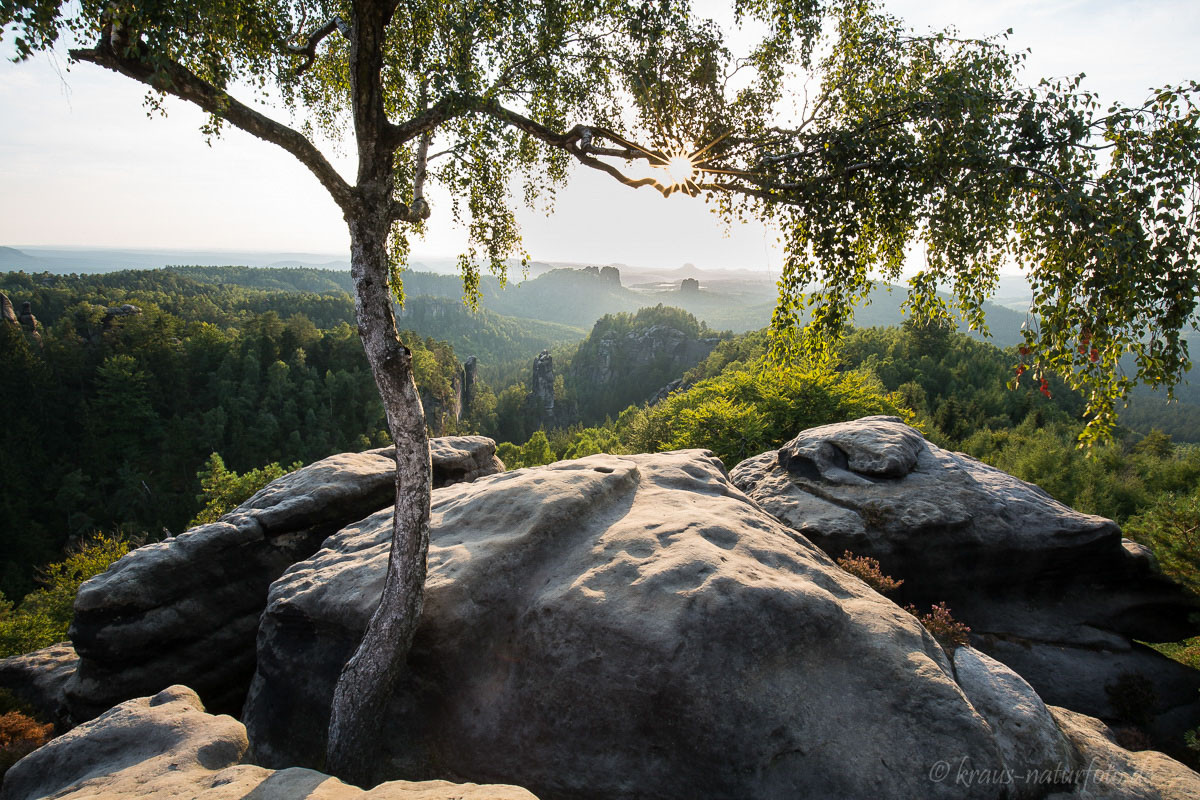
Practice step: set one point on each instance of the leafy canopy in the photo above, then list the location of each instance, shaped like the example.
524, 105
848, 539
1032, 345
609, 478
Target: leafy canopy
908, 144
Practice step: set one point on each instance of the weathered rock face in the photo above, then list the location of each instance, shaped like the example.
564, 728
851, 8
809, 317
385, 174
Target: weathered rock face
624, 627
470, 372
6, 310
1029, 739
1109, 771
689, 286
28, 322
165, 746
186, 610
541, 406
116, 312
1056, 595
541, 385
659, 350
38, 678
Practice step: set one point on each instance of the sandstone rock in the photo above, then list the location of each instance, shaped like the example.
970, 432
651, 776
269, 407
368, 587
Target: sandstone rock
186, 610
167, 747
613, 360
6, 311
623, 627
457, 459
677, 385
115, 312
29, 323
689, 286
1109, 771
470, 373
1055, 594
1030, 741
26, 317
541, 385
38, 679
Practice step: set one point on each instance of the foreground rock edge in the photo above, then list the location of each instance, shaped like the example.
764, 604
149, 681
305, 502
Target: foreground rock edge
166, 746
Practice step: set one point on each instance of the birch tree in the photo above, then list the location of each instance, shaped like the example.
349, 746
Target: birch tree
863, 142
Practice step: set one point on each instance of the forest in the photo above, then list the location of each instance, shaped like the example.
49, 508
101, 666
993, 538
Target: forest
131, 425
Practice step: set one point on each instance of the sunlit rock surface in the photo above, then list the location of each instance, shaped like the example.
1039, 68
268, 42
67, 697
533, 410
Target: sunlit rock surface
165, 746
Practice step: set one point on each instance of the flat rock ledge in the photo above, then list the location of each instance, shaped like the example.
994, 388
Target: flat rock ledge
186, 610
166, 746
1057, 595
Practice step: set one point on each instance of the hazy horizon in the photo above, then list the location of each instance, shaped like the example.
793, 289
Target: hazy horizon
85, 167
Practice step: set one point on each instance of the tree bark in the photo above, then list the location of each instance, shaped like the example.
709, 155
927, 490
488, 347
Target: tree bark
367, 680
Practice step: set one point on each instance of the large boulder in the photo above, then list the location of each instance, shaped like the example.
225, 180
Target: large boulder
1057, 595
185, 610
626, 627
165, 746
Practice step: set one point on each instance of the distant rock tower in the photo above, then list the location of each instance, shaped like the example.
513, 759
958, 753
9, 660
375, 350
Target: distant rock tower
470, 369
29, 323
540, 400
611, 275
689, 286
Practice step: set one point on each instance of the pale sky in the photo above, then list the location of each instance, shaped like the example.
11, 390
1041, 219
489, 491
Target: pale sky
81, 163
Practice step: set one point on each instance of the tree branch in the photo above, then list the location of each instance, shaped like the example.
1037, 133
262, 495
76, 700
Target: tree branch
175, 79
578, 142
425, 121
419, 209
309, 48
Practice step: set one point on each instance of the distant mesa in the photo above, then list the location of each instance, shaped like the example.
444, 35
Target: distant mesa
689, 286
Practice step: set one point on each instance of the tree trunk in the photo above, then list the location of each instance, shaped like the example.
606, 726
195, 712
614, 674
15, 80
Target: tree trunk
366, 682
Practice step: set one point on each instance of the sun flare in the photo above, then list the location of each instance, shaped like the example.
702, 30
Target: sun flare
680, 169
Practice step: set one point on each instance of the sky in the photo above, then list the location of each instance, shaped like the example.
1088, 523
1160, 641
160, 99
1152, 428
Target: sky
83, 164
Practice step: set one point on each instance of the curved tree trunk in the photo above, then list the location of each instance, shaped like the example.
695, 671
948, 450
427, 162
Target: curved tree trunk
367, 679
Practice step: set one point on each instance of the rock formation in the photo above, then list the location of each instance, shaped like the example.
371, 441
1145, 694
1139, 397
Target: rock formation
1110, 771
635, 627
116, 312
38, 679
540, 399
612, 627
185, 610
1057, 595
470, 373
607, 274
614, 360
6, 310
165, 746
689, 286
29, 323
542, 408
675, 386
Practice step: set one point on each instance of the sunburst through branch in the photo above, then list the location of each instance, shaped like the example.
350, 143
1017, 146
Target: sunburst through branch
682, 168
